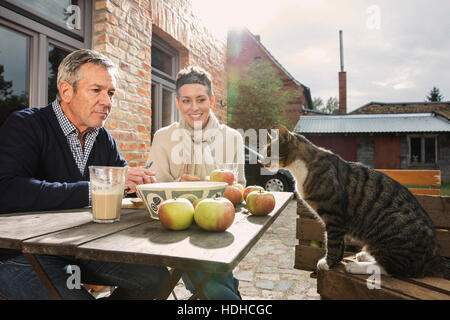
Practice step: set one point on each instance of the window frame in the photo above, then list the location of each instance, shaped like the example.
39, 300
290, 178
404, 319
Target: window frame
162, 80
33, 56
160, 85
41, 36
422, 150
166, 48
41, 18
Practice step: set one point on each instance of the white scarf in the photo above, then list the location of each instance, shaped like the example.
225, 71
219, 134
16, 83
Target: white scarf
198, 158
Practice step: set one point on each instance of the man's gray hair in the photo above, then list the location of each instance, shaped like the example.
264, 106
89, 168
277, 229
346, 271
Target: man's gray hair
191, 75
69, 68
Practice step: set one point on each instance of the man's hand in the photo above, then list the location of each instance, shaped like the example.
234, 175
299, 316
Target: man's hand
138, 175
189, 177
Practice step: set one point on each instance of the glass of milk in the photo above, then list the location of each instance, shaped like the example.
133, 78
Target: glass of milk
107, 185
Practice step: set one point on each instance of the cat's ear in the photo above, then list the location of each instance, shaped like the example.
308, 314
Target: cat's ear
284, 133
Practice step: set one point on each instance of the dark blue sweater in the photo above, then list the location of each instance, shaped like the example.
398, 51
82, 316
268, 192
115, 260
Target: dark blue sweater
37, 168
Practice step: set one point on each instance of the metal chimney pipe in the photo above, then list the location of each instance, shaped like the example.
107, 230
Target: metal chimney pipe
342, 80
341, 50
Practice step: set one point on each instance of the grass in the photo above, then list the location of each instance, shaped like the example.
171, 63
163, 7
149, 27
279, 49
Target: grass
445, 189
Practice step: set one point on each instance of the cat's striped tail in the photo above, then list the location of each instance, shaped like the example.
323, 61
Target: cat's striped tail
446, 268
443, 268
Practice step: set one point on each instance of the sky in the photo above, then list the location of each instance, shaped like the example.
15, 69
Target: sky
394, 51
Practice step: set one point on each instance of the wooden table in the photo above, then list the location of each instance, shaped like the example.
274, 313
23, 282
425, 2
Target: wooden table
137, 239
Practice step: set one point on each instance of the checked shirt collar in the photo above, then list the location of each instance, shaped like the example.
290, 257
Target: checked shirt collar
71, 133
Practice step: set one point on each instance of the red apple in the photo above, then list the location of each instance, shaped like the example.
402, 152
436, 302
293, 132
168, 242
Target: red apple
222, 175
250, 189
260, 203
234, 194
214, 214
176, 214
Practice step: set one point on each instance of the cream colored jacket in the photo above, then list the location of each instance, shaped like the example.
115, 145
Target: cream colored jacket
179, 149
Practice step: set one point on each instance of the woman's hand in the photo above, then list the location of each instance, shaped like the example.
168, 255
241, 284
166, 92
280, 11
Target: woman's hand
138, 175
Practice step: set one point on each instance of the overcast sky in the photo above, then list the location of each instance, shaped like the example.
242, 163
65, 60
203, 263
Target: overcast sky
394, 51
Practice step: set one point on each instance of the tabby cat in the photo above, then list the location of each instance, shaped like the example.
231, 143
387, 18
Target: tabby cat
352, 199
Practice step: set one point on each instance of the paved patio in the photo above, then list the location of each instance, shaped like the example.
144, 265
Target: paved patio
267, 272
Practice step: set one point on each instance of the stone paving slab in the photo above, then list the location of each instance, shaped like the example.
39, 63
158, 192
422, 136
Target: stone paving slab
267, 272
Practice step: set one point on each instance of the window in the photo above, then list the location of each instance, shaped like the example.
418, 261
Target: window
35, 38
14, 72
71, 17
422, 150
164, 70
55, 56
51, 9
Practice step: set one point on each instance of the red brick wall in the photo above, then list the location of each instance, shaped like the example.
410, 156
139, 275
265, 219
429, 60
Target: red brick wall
243, 47
122, 30
387, 108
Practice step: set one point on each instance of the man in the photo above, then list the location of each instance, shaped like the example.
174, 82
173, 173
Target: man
205, 144
44, 158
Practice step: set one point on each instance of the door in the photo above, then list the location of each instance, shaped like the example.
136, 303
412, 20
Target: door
387, 152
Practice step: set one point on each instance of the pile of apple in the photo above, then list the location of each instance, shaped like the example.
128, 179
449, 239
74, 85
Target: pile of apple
258, 201
216, 214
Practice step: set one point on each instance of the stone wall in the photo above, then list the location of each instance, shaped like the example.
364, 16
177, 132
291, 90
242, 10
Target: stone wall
366, 150
366, 154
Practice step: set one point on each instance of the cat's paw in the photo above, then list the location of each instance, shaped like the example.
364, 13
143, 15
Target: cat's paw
354, 268
364, 256
322, 264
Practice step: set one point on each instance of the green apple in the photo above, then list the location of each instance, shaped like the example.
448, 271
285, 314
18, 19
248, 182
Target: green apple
196, 201
260, 203
315, 244
176, 214
214, 214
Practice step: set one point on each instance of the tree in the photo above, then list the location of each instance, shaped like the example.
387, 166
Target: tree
55, 56
434, 95
9, 102
317, 103
257, 99
331, 107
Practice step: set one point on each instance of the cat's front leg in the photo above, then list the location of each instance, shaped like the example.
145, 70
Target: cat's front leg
335, 248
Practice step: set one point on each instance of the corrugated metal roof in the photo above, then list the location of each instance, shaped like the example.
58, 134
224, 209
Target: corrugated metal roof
373, 123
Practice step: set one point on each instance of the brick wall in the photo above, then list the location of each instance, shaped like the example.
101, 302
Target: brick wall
388, 108
122, 30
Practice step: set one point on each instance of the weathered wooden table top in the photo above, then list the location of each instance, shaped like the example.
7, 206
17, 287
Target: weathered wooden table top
136, 238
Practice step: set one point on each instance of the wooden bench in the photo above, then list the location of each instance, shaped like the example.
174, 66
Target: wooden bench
416, 180
337, 284
310, 233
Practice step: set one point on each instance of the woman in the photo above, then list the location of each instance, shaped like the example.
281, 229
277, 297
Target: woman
190, 149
